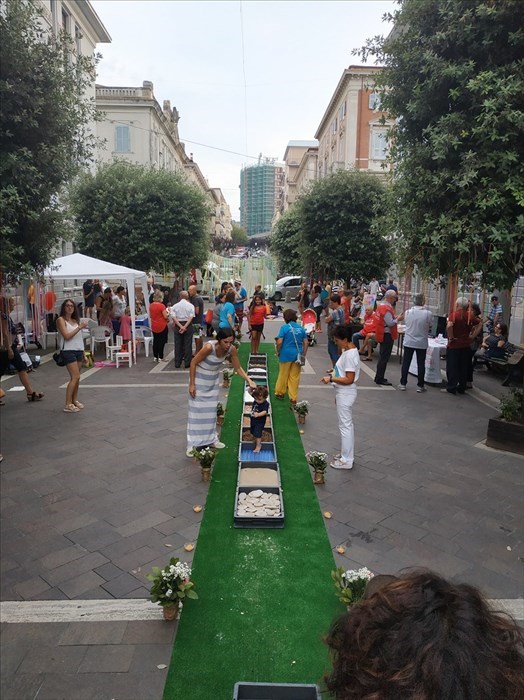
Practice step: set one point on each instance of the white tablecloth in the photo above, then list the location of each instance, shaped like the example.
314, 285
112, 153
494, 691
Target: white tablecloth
432, 374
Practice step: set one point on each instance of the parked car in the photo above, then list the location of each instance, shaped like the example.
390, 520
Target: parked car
287, 284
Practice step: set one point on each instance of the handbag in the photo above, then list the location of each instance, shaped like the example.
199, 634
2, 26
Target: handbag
301, 358
59, 359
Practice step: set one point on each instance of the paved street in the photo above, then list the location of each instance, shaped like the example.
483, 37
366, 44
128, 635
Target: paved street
91, 501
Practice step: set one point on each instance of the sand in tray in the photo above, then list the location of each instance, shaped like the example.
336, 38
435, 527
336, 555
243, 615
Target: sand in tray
258, 477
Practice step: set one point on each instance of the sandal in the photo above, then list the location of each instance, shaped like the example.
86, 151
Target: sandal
78, 404
35, 396
71, 408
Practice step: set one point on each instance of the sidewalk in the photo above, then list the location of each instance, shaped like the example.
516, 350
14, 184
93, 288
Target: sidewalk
91, 501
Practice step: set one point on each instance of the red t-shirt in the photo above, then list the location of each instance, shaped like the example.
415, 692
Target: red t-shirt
369, 325
257, 314
463, 323
158, 322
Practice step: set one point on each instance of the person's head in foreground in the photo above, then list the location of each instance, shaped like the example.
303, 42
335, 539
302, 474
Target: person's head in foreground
419, 637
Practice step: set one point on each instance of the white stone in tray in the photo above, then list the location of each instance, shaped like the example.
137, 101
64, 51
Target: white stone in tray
242, 496
257, 493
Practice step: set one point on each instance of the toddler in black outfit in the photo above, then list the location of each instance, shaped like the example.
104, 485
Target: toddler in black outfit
259, 412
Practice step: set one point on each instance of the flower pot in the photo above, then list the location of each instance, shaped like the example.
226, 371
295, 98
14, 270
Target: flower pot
505, 435
171, 612
205, 473
225, 383
302, 419
319, 477
220, 420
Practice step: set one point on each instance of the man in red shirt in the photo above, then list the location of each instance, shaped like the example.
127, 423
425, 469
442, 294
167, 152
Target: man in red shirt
458, 355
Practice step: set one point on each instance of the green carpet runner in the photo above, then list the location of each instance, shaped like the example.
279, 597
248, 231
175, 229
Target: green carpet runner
266, 597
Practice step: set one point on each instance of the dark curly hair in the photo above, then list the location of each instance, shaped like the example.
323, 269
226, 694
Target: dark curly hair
420, 637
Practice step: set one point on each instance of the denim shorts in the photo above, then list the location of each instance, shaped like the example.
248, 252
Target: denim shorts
71, 356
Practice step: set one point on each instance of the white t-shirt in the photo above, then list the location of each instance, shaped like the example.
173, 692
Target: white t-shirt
349, 361
373, 287
418, 325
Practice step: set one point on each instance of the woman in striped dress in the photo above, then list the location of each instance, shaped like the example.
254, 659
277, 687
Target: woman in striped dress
204, 383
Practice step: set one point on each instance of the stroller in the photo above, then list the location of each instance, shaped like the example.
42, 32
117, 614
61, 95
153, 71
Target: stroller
309, 322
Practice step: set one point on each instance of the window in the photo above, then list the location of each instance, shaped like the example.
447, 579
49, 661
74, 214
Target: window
374, 100
342, 111
65, 22
378, 145
122, 139
334, 126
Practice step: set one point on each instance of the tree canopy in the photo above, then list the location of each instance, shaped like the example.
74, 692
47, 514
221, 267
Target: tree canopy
142, 218
239, 236
44, 140
453, 80
338, 224
286, 243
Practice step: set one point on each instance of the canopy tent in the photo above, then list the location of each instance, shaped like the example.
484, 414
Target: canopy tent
83, 267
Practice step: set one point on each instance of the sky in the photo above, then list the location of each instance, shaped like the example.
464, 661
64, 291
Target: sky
246, 76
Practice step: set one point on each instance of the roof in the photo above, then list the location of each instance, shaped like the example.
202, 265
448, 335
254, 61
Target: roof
302, 144
78, 266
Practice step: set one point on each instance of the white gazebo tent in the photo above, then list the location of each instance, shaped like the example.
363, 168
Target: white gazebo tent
83, 267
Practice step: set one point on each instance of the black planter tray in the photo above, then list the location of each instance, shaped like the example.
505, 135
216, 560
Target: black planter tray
247, 437
252, 521
268, 453
275, 691
271, 466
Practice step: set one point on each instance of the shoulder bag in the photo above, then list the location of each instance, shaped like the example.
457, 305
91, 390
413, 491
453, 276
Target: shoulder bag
301, 358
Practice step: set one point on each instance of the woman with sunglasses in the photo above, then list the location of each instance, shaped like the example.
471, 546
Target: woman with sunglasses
70, 328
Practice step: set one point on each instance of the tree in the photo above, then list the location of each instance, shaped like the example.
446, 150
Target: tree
454, 82
239, 236
141, 218
43, 123
286, 243
337, 220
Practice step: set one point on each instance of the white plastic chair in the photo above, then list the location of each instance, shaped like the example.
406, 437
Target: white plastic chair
99, 334
112, 349
123, 355
144, 335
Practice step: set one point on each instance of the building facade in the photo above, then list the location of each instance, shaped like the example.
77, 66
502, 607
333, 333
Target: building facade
261, 196
222, 221
136, 128
299, 157
351, 133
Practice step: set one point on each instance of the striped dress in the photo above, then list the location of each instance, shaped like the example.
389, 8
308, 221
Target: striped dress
202, 412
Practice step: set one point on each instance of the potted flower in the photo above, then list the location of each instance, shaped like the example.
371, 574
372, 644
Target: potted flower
351, 584
318, 462
170, 586
507, 431
226, 376
220, 414
205, 456
302, 409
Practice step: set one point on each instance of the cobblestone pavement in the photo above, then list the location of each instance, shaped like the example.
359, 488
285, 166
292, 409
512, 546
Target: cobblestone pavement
91, 501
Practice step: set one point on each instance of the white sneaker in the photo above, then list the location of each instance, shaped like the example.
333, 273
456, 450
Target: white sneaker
401, 387
189, 452
219, 445
421, 389
339, 464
